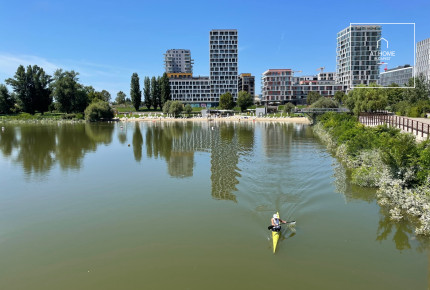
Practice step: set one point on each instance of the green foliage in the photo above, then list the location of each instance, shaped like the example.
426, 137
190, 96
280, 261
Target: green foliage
367, 99
147, 92
174, 108
135, 92
399, 151
68, 93
312, 97
154, 93
325, 102
6, 100
32, 89
226, 101
165, 89
98, 110
244, 100
394, 94
289, 108
421, 90
188, 109
339, 96
120, 98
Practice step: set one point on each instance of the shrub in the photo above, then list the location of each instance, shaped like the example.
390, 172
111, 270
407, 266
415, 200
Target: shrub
98, 110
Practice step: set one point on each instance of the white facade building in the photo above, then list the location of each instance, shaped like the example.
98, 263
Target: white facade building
223, 63
193, 90
178, 61
423, 58
399, 75
358, 54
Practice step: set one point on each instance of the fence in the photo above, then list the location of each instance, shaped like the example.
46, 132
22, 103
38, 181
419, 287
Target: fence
417, 128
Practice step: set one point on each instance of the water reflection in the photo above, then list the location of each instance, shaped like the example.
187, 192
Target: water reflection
39, 147
137, 143
177, 142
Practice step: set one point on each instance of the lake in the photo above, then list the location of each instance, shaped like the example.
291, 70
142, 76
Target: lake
186, 205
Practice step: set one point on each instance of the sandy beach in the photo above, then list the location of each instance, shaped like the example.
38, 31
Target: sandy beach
300, 120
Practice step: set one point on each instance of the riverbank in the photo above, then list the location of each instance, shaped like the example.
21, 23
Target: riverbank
385, 158
299, 120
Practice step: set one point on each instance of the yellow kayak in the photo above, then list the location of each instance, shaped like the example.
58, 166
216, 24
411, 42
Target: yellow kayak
275, 237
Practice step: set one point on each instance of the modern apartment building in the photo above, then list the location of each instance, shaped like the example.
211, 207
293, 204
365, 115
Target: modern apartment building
193, 90
281, 86
422, 61
358, 51
178, 61
399, 75
223, 63
246, 82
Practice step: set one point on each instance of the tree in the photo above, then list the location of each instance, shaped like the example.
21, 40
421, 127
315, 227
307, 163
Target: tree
154, 100
244, 100
312, 97
166, 107
6, 100
421, 90
394, 94
165, 89
226, 101
339, 96
135, 92
289, 107
120, 98
188, 109
31, 88
147, 92
367, 99
176, 108
325, 102
158, 93
69, 94
98, 110
105, 96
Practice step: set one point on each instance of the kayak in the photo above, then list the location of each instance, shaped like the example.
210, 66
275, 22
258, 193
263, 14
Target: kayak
275, 237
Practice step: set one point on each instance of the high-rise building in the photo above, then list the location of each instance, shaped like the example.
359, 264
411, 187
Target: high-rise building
191, 90
223, 63
178, 61
423, 59
246, 82
399, 75
358, 51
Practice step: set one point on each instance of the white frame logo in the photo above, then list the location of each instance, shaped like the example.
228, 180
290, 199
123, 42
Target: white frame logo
383, 55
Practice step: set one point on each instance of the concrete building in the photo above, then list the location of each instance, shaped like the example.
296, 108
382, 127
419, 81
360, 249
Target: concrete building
192, 90
358, 52
246, 82
223, 63
422, 61
281, 86
178, 61
399, 75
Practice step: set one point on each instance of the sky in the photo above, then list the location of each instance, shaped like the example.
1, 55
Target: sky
107, 41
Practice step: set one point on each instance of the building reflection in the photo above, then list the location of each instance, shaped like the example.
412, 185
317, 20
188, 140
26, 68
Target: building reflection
177, 142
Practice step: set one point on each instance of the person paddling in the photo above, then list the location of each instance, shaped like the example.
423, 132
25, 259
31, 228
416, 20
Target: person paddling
276, 223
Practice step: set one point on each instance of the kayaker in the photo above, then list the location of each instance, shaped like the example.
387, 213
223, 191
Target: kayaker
276, 223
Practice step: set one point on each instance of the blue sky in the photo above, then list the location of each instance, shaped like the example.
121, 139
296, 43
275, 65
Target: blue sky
106, 41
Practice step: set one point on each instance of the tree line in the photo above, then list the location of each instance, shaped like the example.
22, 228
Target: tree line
412, 101
36, 91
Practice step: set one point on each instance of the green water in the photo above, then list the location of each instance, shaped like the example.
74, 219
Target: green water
186, 206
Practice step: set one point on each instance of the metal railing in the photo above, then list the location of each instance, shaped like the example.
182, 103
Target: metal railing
415, 127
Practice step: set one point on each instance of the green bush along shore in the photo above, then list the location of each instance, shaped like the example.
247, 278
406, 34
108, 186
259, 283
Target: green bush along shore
385, 158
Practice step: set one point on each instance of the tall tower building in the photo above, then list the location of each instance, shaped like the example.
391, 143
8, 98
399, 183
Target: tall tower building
223, 63
246, 82
358, 49
178, 61
423, 58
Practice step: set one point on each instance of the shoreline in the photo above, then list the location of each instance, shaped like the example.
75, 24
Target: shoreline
298, 120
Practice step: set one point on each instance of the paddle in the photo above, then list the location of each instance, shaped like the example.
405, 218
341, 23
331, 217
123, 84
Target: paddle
287, 223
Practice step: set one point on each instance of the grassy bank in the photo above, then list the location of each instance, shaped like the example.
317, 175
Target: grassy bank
383, 157
25, 117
